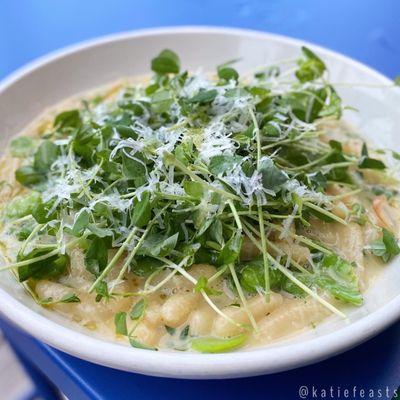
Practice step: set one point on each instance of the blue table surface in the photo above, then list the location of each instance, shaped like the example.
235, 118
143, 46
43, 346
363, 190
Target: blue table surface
366, 30
372, 366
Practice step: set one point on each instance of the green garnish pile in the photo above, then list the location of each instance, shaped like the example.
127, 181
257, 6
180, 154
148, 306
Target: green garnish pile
182, 171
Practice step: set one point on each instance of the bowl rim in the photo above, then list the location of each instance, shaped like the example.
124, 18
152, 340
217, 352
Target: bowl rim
193, 365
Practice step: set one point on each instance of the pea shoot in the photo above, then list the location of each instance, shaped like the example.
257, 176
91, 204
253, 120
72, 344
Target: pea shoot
189, 169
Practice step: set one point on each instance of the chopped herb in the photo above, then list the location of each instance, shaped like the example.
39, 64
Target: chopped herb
120, 323
69, 298
170, 330
102, 291
138, 310
184, 333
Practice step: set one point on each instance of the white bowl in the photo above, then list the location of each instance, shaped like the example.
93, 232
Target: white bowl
52, 78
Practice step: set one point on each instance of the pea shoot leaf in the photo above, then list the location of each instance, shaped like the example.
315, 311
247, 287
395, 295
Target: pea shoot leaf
29, 176
161, 101
252, 277
227, 73
45, 155
204, 97
272, 177
158, 244
96, 255
223, 163
68, 119
386, 248
50, 267
145, 266
142, 210
139, 345
194, 189
333, 108
81, 222
21, 206
311, 66
202, 284
231, 251
166, 62
338, 277
371, 163
23, 146
44, 212
133, 168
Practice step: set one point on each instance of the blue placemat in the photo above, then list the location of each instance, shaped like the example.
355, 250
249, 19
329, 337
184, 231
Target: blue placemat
370, 371
367, 30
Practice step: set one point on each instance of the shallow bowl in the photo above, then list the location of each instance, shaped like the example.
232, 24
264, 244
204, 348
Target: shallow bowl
78, 68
